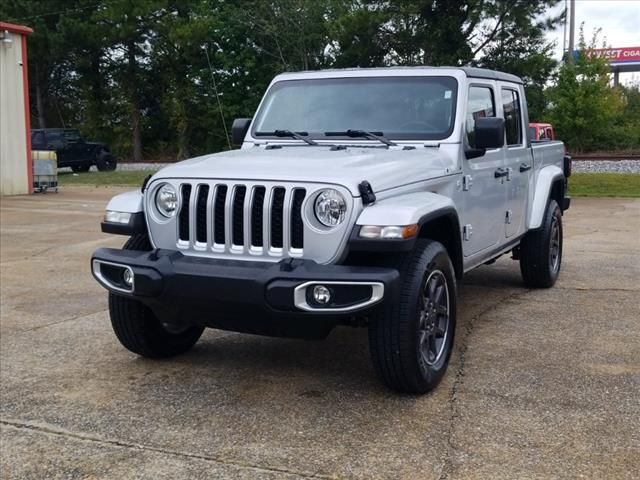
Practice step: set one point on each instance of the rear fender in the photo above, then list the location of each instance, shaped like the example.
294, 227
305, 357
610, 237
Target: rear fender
544, 182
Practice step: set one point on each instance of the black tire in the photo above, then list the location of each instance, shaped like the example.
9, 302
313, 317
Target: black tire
106, 162
139, 330
84, 167
395, 336
541, 250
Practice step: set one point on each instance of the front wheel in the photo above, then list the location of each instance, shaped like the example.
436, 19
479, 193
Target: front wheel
139, 330
411, 340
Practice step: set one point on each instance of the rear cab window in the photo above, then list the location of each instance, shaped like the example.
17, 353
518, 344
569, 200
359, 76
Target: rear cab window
512, 112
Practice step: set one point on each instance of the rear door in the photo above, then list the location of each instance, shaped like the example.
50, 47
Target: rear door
75, 146
518, 159
55, 141
483, 193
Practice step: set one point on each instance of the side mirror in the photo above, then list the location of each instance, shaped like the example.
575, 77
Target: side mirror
239, 130
489, 132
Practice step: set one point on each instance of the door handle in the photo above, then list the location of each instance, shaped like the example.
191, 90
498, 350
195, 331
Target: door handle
524, 167
500, 172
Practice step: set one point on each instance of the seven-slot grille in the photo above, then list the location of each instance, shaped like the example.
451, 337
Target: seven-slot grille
240, 218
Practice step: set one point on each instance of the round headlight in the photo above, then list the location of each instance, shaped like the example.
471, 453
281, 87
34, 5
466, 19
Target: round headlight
330, 207
167, 200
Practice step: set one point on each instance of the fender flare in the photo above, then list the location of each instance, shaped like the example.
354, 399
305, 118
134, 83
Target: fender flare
544, 181
128, 202
413, 208
417, 207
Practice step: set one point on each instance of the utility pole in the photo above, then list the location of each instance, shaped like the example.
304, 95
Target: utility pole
572, 29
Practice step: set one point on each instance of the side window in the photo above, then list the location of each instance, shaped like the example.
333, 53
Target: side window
512, 117
480, 104
549, 134
37, 140
55, 139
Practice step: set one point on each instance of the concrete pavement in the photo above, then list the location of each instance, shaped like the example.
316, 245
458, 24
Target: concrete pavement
542, 384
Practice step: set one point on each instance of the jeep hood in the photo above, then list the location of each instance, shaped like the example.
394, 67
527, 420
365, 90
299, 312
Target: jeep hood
383, 168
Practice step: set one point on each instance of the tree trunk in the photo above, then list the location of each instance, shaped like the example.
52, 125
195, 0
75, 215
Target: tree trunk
42, 123
96, 101
134, 102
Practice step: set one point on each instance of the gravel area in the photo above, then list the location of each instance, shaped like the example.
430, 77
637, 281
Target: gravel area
129, 167
606, 166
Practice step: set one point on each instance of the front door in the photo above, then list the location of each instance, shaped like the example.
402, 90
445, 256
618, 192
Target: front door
518, 160
483, 192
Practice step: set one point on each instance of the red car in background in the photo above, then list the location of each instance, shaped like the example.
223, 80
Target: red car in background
541, 131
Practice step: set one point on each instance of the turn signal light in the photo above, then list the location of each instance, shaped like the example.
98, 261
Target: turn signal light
390, 232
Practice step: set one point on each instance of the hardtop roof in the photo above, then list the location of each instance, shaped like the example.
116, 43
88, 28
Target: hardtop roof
470, 72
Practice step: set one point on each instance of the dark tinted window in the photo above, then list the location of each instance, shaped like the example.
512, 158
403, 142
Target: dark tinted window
72, 135
480, 104
399, 107
512, 117
55, 138
533, 133
37, 139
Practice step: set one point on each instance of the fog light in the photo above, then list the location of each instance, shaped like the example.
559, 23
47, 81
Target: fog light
127, 277
321, 294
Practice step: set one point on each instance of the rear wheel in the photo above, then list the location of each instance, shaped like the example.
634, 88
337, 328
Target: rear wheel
139, 330
411, 340
106, 162
541, 250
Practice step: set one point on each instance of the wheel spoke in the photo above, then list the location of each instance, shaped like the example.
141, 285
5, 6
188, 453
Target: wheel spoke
433, 283
440, 329
423, 338
433, 349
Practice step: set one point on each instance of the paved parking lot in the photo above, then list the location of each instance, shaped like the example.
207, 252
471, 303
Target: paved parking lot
542, 384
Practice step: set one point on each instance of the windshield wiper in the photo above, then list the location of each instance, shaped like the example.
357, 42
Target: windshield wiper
363, 134
288, 133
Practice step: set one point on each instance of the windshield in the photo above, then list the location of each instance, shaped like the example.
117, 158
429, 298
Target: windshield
402, 108
72, 135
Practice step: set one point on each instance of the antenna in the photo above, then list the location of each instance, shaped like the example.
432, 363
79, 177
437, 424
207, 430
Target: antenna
215, 89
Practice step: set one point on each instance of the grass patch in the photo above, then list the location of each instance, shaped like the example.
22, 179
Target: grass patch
580, 184
123, 178
604, 185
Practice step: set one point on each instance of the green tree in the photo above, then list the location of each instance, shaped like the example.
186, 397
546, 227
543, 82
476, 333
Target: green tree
584, 107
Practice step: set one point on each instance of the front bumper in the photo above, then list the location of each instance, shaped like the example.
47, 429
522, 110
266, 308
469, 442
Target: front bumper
254, 297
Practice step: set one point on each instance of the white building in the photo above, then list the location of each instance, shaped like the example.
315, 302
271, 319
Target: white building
16, 176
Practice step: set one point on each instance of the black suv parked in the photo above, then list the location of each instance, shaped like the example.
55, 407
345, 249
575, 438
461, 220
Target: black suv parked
72, 150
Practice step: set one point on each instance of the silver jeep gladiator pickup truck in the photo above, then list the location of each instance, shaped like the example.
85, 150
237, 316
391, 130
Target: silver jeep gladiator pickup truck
358, 197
